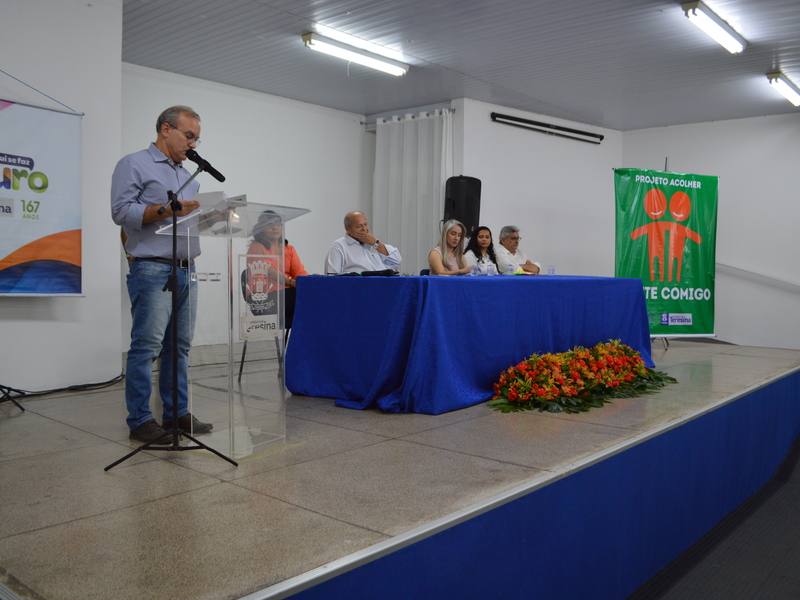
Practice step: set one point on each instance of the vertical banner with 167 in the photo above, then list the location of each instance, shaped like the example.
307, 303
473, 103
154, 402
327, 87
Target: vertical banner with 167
666, 236
40, 201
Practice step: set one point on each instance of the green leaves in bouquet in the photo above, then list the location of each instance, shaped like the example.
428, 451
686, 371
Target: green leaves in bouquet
577, 380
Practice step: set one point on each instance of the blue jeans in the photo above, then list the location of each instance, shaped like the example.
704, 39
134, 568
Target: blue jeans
151, 335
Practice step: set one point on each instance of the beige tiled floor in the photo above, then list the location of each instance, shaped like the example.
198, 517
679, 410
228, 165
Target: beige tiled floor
191, 526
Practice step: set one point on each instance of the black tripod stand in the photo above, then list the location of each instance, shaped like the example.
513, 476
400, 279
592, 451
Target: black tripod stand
172, 286
7, 397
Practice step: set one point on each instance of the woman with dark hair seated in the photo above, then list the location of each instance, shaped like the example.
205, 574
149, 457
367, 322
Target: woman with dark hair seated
448, 257
480, 251
264, 279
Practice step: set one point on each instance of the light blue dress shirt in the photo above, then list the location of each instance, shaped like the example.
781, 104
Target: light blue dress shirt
142, 179
348, 255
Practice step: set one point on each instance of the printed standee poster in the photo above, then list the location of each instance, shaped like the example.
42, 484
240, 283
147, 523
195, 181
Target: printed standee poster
40, 201
666, 236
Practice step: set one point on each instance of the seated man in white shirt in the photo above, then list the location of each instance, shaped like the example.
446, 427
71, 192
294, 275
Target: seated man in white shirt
509, 256
359, 250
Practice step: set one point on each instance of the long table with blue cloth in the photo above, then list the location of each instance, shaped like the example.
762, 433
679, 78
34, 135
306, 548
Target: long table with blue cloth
436, 344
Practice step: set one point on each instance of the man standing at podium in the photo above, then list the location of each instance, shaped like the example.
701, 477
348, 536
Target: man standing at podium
138, 190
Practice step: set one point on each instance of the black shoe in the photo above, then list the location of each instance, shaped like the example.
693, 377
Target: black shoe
148, 432
188, 423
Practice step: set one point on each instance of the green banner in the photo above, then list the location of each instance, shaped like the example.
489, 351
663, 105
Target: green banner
666, 236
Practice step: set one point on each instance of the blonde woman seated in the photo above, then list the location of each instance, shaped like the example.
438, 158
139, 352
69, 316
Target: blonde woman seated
448, 257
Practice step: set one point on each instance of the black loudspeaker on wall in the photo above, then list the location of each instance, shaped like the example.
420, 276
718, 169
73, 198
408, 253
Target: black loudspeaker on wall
462, 201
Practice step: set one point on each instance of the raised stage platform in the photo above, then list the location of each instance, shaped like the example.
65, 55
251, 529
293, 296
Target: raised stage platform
366, 504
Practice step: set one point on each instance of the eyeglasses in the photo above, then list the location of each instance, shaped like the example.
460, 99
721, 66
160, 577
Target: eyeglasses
515, 239
190, 137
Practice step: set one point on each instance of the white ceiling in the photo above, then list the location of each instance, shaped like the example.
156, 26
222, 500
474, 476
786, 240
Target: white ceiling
621, 64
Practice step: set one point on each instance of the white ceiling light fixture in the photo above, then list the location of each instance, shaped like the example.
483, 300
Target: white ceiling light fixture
785, 87
348, 52
716, 28
352, 40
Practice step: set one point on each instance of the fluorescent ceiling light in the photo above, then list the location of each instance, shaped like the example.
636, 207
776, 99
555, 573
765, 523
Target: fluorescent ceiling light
785, 87
347, 52
716, 28
352, 40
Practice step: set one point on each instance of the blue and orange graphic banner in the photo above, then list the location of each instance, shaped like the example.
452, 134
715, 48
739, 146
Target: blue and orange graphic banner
666, 236
40, 201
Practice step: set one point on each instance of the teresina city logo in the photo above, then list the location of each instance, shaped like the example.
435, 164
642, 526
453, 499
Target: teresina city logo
676, 318
6, 207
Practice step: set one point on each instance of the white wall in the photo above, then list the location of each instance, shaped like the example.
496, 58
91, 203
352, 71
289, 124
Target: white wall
759, 211
69, 50
559, 192
277, 151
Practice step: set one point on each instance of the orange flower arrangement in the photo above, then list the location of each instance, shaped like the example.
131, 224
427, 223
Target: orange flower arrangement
576, 380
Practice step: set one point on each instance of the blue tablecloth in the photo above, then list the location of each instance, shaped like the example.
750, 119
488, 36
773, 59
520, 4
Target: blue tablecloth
435, 344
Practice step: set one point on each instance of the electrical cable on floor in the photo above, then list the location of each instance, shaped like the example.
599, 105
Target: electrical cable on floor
7, 391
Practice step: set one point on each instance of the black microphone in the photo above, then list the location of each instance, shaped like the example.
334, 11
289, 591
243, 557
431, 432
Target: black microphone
201, 162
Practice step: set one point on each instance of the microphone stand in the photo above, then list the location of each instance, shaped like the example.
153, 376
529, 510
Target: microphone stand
172, 286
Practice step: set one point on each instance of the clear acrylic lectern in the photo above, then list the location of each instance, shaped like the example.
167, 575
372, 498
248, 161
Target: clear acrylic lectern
236, 372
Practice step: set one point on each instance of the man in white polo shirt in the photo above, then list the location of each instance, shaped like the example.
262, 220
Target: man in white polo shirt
509, 256
359, 250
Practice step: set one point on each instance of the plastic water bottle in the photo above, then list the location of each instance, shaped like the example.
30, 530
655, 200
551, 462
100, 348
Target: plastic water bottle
490, 269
